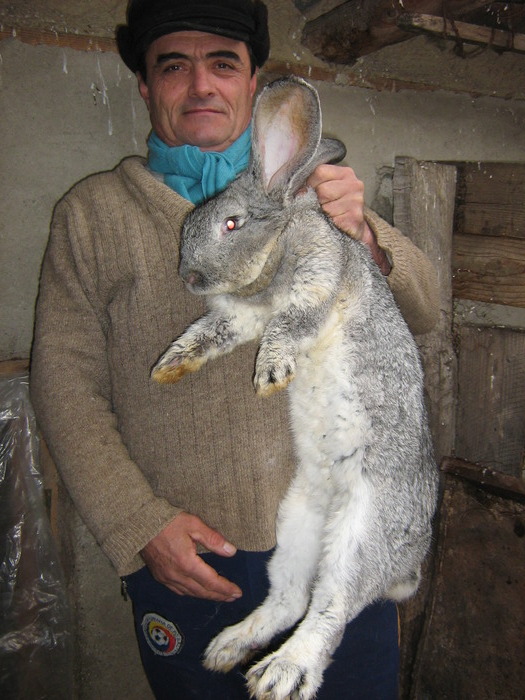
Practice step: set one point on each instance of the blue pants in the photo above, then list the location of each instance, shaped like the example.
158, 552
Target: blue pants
173, 632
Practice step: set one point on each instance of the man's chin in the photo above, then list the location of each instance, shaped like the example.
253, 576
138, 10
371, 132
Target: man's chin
212, 142
209, 132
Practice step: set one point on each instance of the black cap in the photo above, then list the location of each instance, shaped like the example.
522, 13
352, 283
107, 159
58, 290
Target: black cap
147, 20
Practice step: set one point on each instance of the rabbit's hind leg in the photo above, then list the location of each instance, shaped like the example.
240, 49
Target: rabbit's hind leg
342, 588
291, 570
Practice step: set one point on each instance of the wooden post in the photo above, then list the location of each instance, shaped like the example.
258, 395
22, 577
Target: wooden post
424, 196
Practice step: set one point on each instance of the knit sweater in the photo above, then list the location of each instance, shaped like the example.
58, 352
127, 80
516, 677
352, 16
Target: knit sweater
134, 453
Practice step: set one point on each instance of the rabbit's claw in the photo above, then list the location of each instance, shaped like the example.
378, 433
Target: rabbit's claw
280, 677
175, 363
228, 649
273, 371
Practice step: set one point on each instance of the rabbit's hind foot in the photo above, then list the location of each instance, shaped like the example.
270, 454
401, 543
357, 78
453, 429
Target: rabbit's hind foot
279, 676
228, 649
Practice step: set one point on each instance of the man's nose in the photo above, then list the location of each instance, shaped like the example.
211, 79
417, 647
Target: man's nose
201, 82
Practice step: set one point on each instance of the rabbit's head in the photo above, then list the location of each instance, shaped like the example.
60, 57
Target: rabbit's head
227, 242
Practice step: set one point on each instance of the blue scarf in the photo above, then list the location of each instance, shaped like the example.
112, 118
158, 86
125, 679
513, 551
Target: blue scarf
195, 174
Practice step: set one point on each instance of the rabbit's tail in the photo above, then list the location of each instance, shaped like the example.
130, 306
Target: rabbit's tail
406, 588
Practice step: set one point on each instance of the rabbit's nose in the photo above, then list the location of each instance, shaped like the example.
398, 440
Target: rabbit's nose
193, 278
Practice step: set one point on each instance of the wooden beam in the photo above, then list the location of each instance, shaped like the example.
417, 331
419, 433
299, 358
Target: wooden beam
481, 314
489, 269
344, 34
424, 195
42, 37
11, 368
471, 33
491, 199
314, 8
506, 484
360, 27
491, 407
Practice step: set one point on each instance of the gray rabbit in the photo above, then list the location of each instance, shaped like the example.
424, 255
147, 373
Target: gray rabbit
355, 523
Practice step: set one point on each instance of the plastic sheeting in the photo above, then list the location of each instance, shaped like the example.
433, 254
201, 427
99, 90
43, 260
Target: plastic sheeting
35, 630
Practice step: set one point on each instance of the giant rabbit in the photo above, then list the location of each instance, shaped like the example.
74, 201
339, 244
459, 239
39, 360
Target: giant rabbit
355, 523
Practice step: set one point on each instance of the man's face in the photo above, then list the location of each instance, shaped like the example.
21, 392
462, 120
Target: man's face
199, 89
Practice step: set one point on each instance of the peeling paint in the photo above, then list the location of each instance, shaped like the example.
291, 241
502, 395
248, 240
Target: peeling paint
105, 96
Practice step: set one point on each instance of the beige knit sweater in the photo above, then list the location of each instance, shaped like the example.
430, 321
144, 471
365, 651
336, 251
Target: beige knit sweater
134, 453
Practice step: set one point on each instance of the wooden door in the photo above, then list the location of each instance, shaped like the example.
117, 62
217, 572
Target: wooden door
470, 219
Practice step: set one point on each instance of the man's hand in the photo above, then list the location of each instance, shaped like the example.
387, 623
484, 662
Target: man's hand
172, 558
342, 198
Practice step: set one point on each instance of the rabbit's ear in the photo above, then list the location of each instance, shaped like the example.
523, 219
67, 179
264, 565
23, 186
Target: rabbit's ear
329, 151
286, 135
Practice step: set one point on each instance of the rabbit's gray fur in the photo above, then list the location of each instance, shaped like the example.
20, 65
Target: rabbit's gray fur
355, 524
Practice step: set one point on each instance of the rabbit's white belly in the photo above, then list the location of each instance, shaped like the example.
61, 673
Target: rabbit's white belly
329, 421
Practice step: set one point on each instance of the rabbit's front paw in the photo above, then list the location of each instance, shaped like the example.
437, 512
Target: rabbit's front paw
279, 676
175, 363
274, 370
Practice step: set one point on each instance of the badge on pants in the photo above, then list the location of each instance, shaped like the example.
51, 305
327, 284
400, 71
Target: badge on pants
163, 637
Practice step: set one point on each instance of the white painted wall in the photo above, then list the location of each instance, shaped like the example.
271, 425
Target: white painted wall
66, 114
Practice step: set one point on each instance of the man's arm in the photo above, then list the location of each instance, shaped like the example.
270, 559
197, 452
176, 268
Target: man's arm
409, 273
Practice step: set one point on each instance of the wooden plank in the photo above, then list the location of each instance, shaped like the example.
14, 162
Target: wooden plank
424, 196
80, 42
359, 27
315, 8
345, 33
479, 313
491, 199
491, 412
472, 33
10, 368
473, 644
496, 482
489, 269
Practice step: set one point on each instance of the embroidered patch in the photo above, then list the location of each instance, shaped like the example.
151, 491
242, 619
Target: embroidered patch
162, 636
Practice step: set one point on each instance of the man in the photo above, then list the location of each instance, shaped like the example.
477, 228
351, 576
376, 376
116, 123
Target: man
186, 479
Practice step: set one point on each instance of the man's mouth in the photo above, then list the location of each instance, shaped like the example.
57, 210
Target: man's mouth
202, 111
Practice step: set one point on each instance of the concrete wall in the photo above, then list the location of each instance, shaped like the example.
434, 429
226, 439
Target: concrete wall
67, 113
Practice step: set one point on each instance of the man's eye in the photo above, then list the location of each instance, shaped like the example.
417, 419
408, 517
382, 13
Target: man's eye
224, 66
172, 68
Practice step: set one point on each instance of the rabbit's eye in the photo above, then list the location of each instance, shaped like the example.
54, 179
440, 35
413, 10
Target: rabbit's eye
230, 224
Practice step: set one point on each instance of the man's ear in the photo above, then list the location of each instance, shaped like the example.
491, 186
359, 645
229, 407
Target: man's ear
143, 88
253, 82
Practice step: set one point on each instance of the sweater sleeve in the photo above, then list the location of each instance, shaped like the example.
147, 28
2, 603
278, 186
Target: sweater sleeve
413, 279
70, 391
